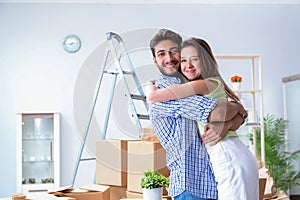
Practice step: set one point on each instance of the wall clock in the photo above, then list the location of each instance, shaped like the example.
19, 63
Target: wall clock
71, 43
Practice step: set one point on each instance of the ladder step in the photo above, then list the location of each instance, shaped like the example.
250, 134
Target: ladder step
87, 159
116, 72
143, 116
138, 97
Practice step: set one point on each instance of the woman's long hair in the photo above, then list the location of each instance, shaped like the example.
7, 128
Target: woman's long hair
208, 63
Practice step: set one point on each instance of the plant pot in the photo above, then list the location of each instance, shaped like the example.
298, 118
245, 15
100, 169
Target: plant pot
236, 86
152, 194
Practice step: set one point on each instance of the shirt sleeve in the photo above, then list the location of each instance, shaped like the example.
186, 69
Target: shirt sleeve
194, 107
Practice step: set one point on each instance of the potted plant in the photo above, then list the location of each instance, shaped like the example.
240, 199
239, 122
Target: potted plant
236, 82
152, 184
278, 161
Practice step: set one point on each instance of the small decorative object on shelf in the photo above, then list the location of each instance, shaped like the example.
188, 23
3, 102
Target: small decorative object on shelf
236, 82
18, 196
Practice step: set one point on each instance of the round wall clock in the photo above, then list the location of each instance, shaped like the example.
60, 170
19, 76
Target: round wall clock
72, 43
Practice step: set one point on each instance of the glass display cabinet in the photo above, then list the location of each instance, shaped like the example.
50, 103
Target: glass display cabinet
38, 147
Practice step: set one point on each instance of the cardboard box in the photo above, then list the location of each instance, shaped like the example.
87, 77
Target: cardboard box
262, 185
134, 195
111, 162
143, 156
280, 197
117, 192
38, 196
148, 132
89, 192
149, 135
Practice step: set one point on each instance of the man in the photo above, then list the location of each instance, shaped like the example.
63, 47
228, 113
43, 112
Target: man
173, 121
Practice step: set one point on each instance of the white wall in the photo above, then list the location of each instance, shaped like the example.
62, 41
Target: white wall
37, 75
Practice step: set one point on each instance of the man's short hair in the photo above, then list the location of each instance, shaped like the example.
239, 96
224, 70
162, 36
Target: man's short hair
165, 34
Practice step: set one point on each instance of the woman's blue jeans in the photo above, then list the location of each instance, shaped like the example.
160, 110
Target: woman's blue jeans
188, 196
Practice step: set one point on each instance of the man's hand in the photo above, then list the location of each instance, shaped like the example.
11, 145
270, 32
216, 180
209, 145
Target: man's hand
243, 112
226, 110
214, 132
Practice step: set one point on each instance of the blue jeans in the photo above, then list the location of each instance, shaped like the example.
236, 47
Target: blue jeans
187, 196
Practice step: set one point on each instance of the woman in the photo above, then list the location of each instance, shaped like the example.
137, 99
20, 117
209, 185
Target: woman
234, 166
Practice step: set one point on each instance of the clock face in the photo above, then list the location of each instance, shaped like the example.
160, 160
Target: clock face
72, 43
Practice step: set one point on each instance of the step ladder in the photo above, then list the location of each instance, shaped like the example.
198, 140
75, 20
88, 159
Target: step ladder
117, 50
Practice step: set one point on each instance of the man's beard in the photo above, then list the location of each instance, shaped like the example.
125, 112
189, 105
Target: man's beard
174, 73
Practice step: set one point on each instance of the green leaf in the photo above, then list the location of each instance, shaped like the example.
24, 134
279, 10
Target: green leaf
278, 161
153, 179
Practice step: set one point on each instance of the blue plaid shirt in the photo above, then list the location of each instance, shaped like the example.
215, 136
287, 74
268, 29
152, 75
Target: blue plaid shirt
187, 159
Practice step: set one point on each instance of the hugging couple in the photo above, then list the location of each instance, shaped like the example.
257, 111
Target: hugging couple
195, 116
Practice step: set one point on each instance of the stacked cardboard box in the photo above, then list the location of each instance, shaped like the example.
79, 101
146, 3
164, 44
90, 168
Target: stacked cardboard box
121, 165
89, 192
111, 166
143, 156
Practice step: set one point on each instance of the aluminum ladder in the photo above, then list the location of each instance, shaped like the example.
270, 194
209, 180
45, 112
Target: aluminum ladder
115, 42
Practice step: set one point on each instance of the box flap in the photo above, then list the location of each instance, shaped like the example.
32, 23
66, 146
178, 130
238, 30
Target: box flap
95, 187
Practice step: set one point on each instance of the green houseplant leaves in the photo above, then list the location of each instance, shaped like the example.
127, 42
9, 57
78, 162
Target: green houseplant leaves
278, 161
153, 179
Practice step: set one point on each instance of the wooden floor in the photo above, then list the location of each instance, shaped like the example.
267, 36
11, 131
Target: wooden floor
295, 197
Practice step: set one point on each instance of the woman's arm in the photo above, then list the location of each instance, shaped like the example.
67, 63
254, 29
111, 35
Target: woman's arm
224, 111
179, 91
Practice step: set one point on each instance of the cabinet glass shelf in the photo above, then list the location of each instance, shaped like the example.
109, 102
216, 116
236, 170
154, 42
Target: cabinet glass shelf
38, 161
37, 139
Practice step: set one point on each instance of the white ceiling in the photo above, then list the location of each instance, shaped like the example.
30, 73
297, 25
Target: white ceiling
159, 1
